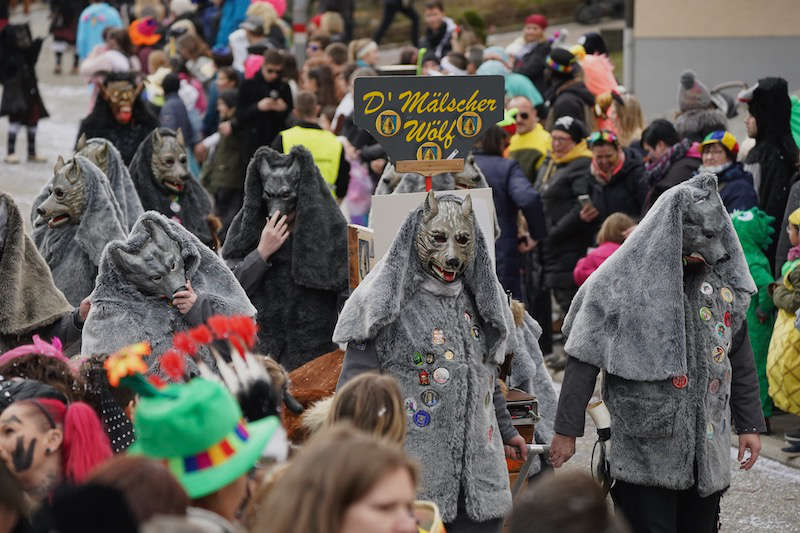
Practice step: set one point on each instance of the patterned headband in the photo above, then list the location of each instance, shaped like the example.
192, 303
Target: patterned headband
564, 69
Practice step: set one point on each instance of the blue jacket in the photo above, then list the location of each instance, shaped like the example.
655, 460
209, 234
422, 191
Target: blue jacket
91, 23
511, 192
233, 13
174, 116
736, 188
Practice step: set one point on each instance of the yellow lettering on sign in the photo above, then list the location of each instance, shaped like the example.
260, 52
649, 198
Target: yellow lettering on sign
369, 98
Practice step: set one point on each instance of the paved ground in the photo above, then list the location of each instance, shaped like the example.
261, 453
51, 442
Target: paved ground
766, 499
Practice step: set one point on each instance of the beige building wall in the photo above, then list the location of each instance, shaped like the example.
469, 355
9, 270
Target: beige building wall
716, 18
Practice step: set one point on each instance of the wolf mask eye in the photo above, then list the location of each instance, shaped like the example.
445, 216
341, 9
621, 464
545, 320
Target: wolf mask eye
155, 279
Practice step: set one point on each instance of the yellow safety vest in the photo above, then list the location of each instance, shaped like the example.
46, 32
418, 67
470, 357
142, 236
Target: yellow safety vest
325, 148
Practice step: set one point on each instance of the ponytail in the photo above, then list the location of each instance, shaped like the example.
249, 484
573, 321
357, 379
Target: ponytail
85, 443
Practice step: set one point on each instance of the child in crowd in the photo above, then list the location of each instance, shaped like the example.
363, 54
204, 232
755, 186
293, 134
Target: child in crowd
612, 234
374, 404
784, 347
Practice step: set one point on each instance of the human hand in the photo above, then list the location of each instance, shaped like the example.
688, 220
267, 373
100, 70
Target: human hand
516, 448
752, 442
274, 234
200, 152
184, 300
279, 105
264, 104
84, 307
225, 128
588, 213
562, 447
526, 243
377, 165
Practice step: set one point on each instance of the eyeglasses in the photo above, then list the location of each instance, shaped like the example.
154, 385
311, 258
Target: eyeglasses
523, 116
560, 139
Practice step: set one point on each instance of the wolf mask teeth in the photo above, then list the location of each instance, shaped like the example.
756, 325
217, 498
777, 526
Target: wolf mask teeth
66, 201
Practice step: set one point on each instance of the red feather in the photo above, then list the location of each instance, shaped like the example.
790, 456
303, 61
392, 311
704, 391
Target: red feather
201, 335
157, 382
173, 365
183, 342
246, 328
220, 325
238, 345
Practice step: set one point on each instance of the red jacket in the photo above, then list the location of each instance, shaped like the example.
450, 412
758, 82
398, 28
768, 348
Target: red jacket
592, 261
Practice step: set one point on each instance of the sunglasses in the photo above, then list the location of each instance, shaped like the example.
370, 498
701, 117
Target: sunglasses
523, 116
313, 47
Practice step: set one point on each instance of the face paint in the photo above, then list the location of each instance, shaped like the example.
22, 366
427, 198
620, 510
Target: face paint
446, 237
66, 202
21, 458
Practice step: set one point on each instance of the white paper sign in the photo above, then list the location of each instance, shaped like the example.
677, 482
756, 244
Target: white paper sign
389, 211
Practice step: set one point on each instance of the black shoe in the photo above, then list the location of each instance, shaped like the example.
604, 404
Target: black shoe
792, 451
792, 437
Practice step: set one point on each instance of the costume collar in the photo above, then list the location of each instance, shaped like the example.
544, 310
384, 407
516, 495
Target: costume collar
438, 288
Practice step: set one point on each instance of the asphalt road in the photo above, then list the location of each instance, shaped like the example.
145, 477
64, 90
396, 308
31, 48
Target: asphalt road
765, 499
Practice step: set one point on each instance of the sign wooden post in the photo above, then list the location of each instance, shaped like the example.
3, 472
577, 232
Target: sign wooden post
427, 124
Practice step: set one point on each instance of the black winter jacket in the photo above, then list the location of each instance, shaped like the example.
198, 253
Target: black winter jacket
680, 171
533, 64
568, 236
624, 193
570, 99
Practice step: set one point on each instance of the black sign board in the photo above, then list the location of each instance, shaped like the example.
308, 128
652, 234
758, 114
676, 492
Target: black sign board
428, 124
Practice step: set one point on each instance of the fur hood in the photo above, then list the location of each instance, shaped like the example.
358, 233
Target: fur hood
319, 238
102, 220
122, 315
629, 318
382, 295
194, 200
120, 179
30, 298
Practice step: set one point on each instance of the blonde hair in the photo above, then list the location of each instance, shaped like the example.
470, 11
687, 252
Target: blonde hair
265, 11
355, 47
629, 120
334, 471
372, 403
331, 23
155, 60
613, 228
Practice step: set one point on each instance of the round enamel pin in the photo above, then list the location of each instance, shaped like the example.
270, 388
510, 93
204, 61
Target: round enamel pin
174, 206
411, 405
437, 337
727, 319
707, 289
441, 375
417, 358
709, 431
449, 355
706, 314
680, 382
718, 354
422, 418
476, 332
430, 397
720, 329
726, 294
423, 378
713, 387
429, 358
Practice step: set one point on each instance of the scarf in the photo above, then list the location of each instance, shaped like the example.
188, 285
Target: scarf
658, 168
603, 177
579, 150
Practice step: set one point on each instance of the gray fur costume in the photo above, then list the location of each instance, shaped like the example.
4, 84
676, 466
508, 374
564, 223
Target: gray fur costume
195, 203
529, 373
464, 325
120, 179
32, 304
298, 296
121, 314
662, 334
73, 251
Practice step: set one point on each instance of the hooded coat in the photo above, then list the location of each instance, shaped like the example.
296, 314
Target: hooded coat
32, 304
773, 160
465, 327
668, 371
121, 184
121, 314
73, 251
100, 122
297, 291
21, 100
195, 203
572, 99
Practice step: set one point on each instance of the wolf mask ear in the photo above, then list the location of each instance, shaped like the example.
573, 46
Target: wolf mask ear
156, 139
74, 172
157, 234
431, 208
179, 136
466, 207
123, 259
59, 165
81, 142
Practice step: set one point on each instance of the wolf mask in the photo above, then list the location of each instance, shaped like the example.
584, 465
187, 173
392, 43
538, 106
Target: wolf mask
446, 238
157, 268
121, 95
612, 322
279, 180
67, 200
169, 162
